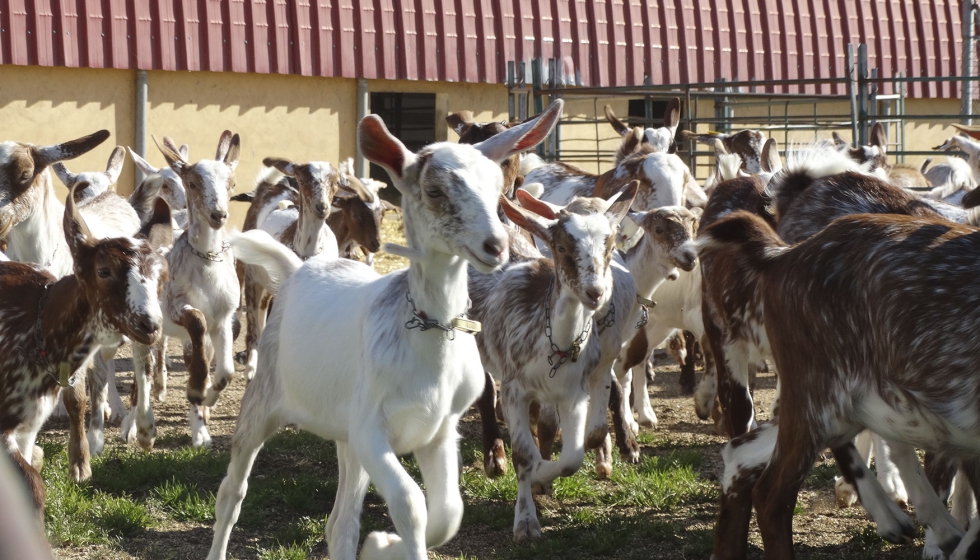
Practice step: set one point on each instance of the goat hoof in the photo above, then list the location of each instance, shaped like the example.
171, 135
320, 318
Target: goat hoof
647, 423
631, 455
902, 533
378, 545
846, 496
37, 458
527, 530
146, 436
160, 394
495, 462
80, 473
603, 471
96, 442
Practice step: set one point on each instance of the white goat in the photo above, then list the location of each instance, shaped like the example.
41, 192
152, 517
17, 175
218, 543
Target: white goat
160, 182
98, 181
338, 357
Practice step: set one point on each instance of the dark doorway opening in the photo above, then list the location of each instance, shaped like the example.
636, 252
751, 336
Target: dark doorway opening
411, 117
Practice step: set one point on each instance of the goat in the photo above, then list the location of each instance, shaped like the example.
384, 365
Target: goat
539, 318
51, 327
472, 132
864, 279
746, 144
951, 181
382, 389
302, 228
661, 138
876, 155
98, 181
202, 294
31, 220
356, 220
160, 182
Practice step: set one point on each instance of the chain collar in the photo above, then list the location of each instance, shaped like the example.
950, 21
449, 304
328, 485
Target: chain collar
301, 257
43, 359
422, 322
209, 256
645, 305
562, 355
608, 320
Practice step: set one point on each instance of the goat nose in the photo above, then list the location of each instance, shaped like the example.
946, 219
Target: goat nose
148, 325
594, 293
321, 208
494, 247
219, 215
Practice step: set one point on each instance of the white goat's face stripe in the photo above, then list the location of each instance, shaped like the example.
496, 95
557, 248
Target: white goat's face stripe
141, 293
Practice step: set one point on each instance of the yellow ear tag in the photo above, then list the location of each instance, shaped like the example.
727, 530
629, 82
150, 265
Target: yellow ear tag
466, 325
64, 373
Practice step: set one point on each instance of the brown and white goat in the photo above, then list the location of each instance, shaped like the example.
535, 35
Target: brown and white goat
746, 144
538, 336
866, 333
472, 132
31, 220
160, 182
302, 228
202, 294
98, 181
50, 328
661, 138
356, 220
876, 155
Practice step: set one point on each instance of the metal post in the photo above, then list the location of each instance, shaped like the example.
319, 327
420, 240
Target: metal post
862, 82
966, 101
142, 91
511, 106
536, 77
363, 106
852, 91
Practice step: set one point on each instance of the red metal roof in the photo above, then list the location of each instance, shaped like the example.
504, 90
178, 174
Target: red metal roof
604, 42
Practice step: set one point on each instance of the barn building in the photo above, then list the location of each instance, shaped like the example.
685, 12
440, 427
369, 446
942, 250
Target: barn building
293, 76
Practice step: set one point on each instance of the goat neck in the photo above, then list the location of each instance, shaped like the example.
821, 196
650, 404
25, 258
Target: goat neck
40, 237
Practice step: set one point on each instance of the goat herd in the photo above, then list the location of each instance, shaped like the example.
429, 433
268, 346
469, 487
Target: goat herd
828, 263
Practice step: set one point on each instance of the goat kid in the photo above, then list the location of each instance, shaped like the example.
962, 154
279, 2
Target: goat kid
830, 391
202, 294
661, 138
160, 182
876, 156
746, 144
548, 353
337, 357
98, 181
50, 328
356, 220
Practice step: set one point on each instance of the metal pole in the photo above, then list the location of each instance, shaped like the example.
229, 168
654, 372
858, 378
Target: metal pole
862, 83
142, 90
363, 106
852, 90
536, 77
511, 106
966, 92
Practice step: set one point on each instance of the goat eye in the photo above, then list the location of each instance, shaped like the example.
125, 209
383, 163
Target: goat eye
561, 249
192, 184
165, 188
104, 272
434, 193
659, 231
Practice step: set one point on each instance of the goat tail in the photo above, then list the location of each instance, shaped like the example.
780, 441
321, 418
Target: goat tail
742, 234
258, 248
243, 197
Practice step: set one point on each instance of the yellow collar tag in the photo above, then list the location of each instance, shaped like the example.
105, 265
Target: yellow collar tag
64, 374
645, 302
465, 325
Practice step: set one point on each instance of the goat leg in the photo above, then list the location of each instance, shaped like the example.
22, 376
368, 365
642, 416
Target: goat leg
494, 455
688, 379
79, 458
629, 449
197, 362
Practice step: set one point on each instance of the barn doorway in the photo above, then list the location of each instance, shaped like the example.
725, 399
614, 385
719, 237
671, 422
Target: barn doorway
411, 117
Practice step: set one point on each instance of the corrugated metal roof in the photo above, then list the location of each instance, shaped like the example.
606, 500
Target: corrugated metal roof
603, 42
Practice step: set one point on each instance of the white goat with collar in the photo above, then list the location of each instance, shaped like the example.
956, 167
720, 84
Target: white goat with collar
337, 359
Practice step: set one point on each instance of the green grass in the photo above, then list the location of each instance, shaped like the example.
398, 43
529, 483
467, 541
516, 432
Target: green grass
184, 502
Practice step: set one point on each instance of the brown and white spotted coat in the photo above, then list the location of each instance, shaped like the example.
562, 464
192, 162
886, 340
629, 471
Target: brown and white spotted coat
746, 144
49, 325
356, 220
514, 306
163, 183
867, 331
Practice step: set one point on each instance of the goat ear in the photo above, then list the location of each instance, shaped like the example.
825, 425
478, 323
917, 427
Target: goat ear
378, 145
184, 151
672, 115
878, 136
389, 207
283, 165
459, 121
617, 124
224, 143
173, 158
538, 226
142, 164
62, 172
720, 148
621, 205
539, 207
159, 231
234, 151
771, 162
839, 142
77, 234
46, 155
354, 185
169, 142
114, 166
522, 137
